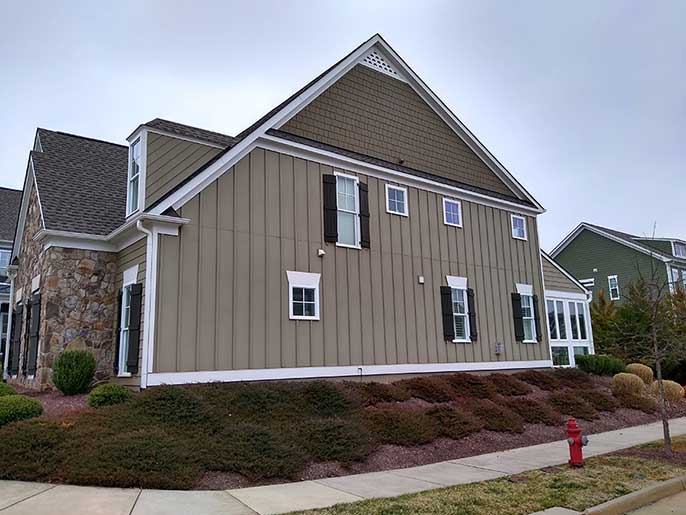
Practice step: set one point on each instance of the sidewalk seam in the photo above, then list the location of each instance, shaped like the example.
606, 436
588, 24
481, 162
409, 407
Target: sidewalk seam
29, 497
135, 501
337, 488
226, 492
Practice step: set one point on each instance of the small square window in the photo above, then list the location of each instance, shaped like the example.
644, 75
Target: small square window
452, 212
519, 227
396, 200
303, 296
560, 356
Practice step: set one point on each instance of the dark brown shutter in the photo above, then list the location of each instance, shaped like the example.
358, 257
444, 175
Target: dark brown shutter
517, 317
134, 328
330, 205
447, 312
364, 215
537, 319
15, 349
34, 331
473, 330
117, 335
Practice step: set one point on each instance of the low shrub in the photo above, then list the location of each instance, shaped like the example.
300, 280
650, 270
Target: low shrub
642, 371
6, 389
171, 405
674, 392
572, 378
257, 453
639, 402
370, 394
261, 400
600, 364
29, 450
535, 412
398, 426
471, 386
452, 423
324, 399
109, 395
543, 380
336, 439
73, 371
496, 417
568, 402
599, 400
506, 384
18, 407
626, 383
428, 388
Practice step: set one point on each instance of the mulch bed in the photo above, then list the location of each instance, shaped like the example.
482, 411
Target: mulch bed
56, 405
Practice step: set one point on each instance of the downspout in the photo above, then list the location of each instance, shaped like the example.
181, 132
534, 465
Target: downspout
149, 270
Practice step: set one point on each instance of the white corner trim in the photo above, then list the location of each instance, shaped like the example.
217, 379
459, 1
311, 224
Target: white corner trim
130, 276
525, 289
406, 212
35, 283
458, 283
263, 374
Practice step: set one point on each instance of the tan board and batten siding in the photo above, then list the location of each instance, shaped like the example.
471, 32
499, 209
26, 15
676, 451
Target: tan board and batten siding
170, 161
223, 291
555, 280
134, 254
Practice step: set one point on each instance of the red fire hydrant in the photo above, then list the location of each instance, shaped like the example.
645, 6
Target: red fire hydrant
576, 441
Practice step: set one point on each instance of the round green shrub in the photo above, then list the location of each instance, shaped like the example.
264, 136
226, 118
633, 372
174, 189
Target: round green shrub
73, 371
18, 407
625, 383
108, 395
642, 371
600, 364
6, 389
674, 392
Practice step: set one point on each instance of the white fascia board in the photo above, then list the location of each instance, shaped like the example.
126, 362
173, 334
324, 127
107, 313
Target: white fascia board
264, 374
550, 260
29, 180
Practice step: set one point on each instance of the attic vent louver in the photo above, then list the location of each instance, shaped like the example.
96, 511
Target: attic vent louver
375, 59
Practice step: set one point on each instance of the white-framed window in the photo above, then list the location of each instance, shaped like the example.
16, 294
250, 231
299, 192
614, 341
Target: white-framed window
133, 191
303, 295
452, 212
396, 200
675, 277
348, 210
528, 319
556, 319
577, 320
129, 279
5, 255
679, 249
460, 302
560, 356
613, 285
519, 231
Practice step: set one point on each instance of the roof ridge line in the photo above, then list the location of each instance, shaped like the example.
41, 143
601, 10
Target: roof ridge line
83, 137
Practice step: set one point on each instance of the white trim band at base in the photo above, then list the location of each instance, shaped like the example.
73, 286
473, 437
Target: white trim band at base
264, 374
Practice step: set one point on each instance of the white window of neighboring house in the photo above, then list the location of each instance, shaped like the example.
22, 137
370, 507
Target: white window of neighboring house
348, 206
130, 277
556, 320
577, 319
683, 278
528, 319
303, 295
680, 249
134, 177
396, 200
519, 231
675, 276
452, 212
5, 255
614, 287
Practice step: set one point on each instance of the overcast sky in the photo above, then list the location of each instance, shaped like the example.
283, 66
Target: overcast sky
584, 102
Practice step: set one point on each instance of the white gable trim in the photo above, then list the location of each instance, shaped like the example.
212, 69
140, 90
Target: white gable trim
230, 157
572, 235
29, 182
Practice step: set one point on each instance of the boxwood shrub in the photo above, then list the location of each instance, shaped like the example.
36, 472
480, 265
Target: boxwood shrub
108, 395
18, 407
6, 389
73, 371
600, 364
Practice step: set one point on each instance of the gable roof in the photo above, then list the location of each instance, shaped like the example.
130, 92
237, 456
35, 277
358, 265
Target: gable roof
10, 200
188, 131
563, 271
81, 182
278, 116
626, 239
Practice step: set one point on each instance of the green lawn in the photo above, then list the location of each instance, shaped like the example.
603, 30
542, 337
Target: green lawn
602, 479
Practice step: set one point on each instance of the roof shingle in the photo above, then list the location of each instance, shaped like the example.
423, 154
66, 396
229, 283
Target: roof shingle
10, 201
180, 129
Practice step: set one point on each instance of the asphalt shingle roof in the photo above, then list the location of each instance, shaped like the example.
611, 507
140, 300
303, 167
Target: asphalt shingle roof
81, 182
191, 132
10, 201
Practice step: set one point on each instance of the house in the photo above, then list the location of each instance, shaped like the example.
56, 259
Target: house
610, 260
9, 210
358, 229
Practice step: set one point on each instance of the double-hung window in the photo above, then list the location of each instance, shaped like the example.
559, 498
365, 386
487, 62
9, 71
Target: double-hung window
303, 295
452, 212
128, 283
577, 319
528, 318
461, 315
675, 277
396, 200
679, 249
613, 285
556, 320
132, 204
519, 231
348, 210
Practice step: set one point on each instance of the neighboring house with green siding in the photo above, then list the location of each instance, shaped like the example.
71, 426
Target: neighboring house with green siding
610, 260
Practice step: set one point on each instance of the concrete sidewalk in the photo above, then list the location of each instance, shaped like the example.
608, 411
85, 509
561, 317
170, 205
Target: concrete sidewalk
20, 498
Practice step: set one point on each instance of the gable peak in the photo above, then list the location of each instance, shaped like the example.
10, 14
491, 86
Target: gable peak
377, 60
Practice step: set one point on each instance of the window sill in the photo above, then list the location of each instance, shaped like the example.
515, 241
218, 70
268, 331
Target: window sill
462, 341
518, 238
530, 341
304, 318
124, 374
346, 246
453, 225
397, 213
